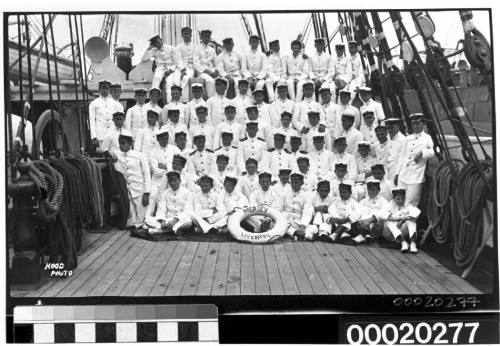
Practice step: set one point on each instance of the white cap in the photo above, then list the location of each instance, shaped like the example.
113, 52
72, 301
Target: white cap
126, 133
161, 131
194, 85
325, 86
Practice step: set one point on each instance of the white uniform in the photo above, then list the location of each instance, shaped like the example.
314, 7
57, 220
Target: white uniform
322, 160
343, 69
349, 109
275, 160
242, 102
377, 107
300, 117
295, 69
174, 128
136, 118
335, 181
295, 155
200, 162
163, 155
395, 150
233, 200
307, 138
166, 58
173, 204
281, 189
265, 132
347, 159
374, 207
216, 105
368, 133
231, 152
269, 197
253, 65
409, 228
134, 167
204, 59
342, 209
275, 68
219, 178
175, 105
288, 132
229, 64
298, 210
110, 141
363, 165
267, 114
190, 117
248, 183
321, 66
186, 52
154, 107
353, 136
204, 214
145, 141
279, 106
382, 152
412, 174
358, 74
254, 148
228, 126
331, 111
318, 223
310, 181
101, 112
206, 130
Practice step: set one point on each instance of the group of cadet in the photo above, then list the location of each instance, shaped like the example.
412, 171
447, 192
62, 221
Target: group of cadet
336, 171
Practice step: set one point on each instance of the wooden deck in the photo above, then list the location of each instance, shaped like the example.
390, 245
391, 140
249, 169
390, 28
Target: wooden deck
115, 264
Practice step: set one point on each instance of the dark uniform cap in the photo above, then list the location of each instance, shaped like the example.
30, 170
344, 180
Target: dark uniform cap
339, 140
296, 42
186, 28
201, 107
302, 158
323, 183
150, 111
306, 83
297, 174
398, 192
116, 86
352, 43
200, 136
226, 133
104, 82
286, 114
179, 158
319, 40
343, 185
176, 87
373, 183
340, 165
227, 40
173, 111
118, 114
250, 160
252, 124
222, 157
284, 171
416, 116
347, 92
170, 174
377, 166
254, 37
339, 46
265, 174
206, 31
206, 178
180, 134
380, 126
274, 42
243, 80
232, 179
295, 137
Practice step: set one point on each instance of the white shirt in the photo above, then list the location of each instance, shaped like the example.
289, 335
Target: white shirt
269, 197
276, 159
295, 67
231, 152
186, 52
203, 204
136, 118
353, 136
233, 200
204, 58
163, 155
297, 207
110, 141
205, 129
101, 112
317, 201
347, 159
341, 209
300, 117
182, 112
229, 64
200, 162
281, 189
349, 108
171, 203
248, 183
307, 138
323, 161
216, 105
374, 207
412, 172
343, 68
331, 111
382, 152
226, 126
279, 106
358, 73
166, 55
145, 140
396, 211
190, 117
364, 165
174, 128
134, 167
252, 64
377, 107
219, 178
394, 159
310, 181
386, 187
266, 113
254, 148
242, 102
369, 133
275, 66
321, 66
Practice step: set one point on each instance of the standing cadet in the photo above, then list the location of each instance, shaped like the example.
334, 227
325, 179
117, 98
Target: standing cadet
300, 118
321, 157
228, 125
174, 208
418, 149
203, 127
229, 64
242, 100
286, 128
265, 110
275, 67
208, 207
231, 151
220, 172
352, 135
368, 125
188, 180
396, 144
278, 157
181, 142
132, 164
110, 141
345, 105
191, 118
381, 147
136, 118
341, 156
321, 66
204, 62
174, 125
154, 96
321, 201
175, 103
186, 51
200, 160
296, 71
145, 140
339, 176
310, 177
385, 184
265, 129
115, 91
282, 103
101, 112
161, 160
166, 60
217, 102
315, 129
331, 110
358, 75
343, 69
297, 207
364, 163
365, 94
251, 146
252, 64
249, 180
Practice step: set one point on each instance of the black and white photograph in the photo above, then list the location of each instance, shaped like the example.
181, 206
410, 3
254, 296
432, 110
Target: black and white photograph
310, 159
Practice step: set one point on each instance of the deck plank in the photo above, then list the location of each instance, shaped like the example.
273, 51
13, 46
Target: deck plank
303, 251
129, 273
298, 271
66, 286
286, 273
234, 272
168, 271
273, 273
334, 269
247, 270
180, 275
221, 269
208, 271
329, 281
193, 277
259, 262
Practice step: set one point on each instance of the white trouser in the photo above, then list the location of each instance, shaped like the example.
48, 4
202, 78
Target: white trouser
271, 92
292, 228
173, 78
359, 191
185, 84
184, 221
206, 225
338, 216
354, 85
407, 230
413, 192
137, 212
296, 97
320, 224
209, 84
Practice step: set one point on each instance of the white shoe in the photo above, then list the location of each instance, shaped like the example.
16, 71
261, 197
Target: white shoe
359, 239
413, 247
309, 237
155, 231
404, 246
345, 235
334, 237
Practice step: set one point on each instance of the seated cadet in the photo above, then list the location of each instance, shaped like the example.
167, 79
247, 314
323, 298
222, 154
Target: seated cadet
110, 141
397, 142
358, 74
228, 64
386, 186
418, 149
365, 94
181, 140
401, 222
278, 157
322, 199
295, 71
173, 125
251, 146
265, 130
266, 112
136, 117
242, 100
228, 125
343, 215
208, 209
166, 60
373, 210
217, 102
330, 109
297, 207
221, 171
368, 125
321, 65
232, 198
275, 68
352, 135
283, 183
174, 208
175, 103
320, 156
186, 51
310, 178
200, 160
188, 180
154, 96
300, 118
227, 149
364, 163
315, 129
381, 147
145, 140
345, 106
134, 167
339, 176
282, 103
249, 180
264, 195
286, 128
203, 127
253, 64
191, 106
343, 69
340, 156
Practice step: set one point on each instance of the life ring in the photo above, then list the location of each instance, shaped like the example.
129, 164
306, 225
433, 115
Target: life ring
279, 229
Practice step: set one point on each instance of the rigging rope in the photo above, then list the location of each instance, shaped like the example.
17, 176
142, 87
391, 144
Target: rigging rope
34, 148
76, 86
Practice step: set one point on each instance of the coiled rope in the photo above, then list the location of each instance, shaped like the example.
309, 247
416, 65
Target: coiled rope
47, 178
